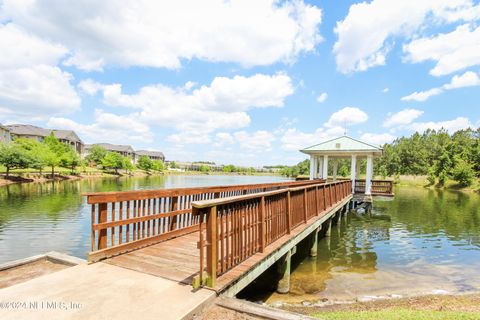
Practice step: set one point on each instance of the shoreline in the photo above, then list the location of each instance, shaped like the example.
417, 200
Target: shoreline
444, 302
28, 177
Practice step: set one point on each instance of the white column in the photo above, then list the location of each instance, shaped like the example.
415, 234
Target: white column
320, 168
315, 167
312, 167
325, 167
358, 169
335, 169
368, 178
353, 173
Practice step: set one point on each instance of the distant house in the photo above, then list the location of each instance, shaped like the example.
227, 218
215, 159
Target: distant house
32, 132
153, 155
124, 150
5, 136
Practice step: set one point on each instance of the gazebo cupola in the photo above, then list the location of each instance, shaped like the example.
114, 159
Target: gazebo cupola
338, 148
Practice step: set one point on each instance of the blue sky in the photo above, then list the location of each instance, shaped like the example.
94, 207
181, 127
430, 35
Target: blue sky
242, 82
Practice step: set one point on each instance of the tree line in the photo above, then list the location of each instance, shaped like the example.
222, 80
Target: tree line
51, 153
99, 156
435, 154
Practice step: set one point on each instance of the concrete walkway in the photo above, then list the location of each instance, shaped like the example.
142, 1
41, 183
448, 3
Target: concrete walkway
100, 291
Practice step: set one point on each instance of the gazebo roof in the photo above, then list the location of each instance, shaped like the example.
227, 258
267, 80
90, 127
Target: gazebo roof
342, 145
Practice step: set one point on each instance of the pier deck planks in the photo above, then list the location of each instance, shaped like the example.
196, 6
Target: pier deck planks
178, 259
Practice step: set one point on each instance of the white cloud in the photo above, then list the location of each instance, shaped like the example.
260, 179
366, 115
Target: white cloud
255, 141
222, 105
377, 139
422, 95
366, 34
223, 138
403, 117
189, 137
294, 139
451, 52
322, 97
90, 86
346, 116
385, 90
162, 34
107, 127
468, 79
449, 125
31, 85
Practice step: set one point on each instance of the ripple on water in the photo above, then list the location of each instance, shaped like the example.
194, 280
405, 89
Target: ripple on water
421, 242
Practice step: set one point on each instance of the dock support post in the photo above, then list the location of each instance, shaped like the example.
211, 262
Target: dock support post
328, 233
284, 265
314, 242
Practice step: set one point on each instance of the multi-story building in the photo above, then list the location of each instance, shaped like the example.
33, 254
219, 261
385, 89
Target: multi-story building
33, 132
5, 136
124, 150
153, 155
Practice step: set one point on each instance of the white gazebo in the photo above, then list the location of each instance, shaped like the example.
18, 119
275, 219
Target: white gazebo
342, 147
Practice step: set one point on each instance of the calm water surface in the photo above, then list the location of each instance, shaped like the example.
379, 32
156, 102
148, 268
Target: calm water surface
41, 217
424, 241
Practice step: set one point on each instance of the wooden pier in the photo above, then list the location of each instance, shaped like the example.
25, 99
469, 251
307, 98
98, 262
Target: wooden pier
213, 236
150, 246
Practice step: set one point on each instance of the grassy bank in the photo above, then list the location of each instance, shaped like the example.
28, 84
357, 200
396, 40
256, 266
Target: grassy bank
32, 175
423, 308
422, 181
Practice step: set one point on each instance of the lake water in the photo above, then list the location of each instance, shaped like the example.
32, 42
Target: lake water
40, 217
424, 241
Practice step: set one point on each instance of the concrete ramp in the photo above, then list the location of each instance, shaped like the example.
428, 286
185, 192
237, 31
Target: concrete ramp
101, 291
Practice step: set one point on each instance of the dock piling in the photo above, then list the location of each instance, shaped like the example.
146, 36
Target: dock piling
284, 265
314, 242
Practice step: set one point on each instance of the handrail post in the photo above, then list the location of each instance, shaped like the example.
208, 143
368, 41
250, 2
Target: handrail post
102, 217
212, 247
262, 224
289, 213
173, 219
305, 218
317, 212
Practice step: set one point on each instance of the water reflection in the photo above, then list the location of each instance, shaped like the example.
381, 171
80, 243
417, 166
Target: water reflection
422, 242
40, 217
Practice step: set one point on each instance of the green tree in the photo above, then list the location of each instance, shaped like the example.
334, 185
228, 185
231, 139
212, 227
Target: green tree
204, 168
145, 163
158, 165
55, 153
463, 172
36, 150
96, 154
112, 160
12, 156
70, 159
128, 165
229, 168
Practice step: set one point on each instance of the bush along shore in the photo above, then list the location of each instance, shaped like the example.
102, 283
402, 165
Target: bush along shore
28, 160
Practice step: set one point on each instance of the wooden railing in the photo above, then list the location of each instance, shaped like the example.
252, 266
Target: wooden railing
379, 187
234, 229
124, 221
